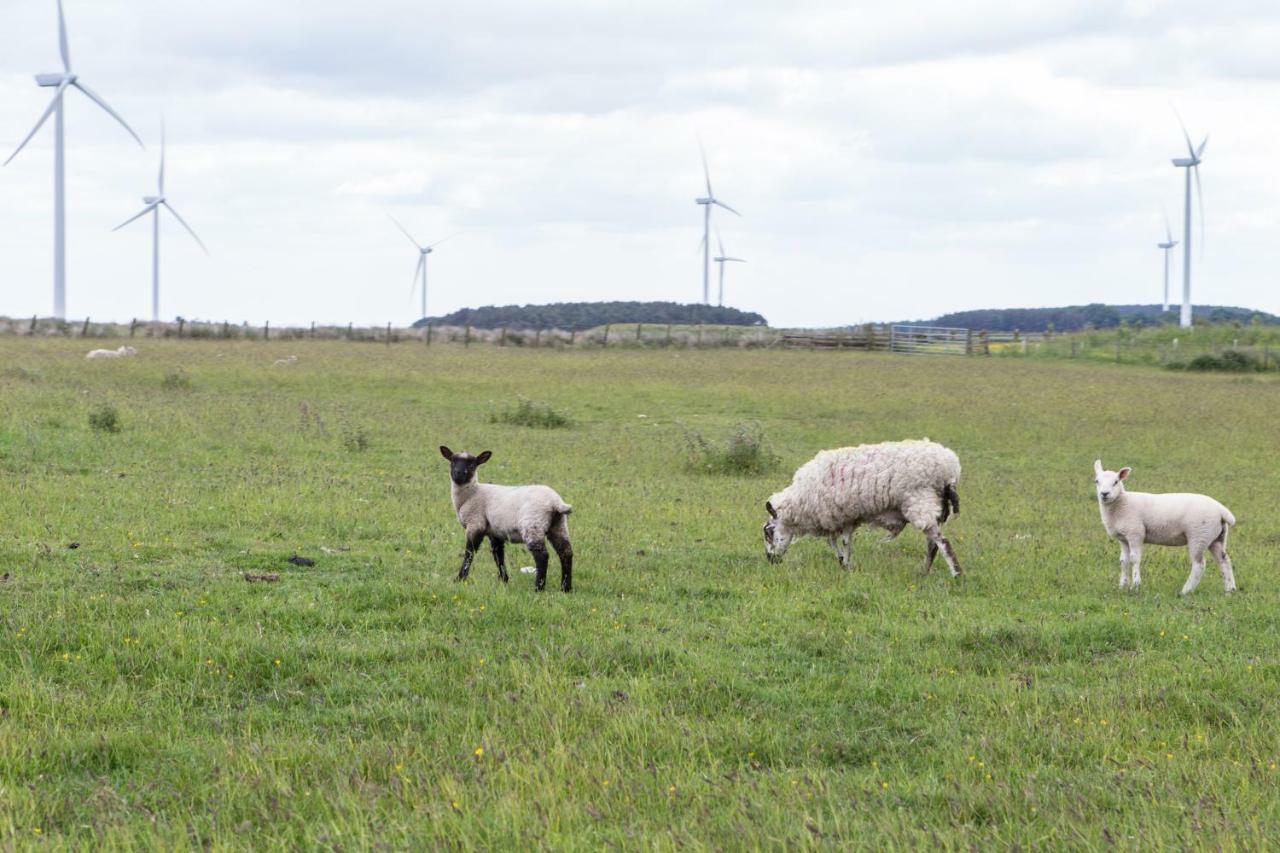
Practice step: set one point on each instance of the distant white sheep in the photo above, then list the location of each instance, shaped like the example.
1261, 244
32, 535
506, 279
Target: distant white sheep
285, 362
529, 515
1137, 518
885, 485
122, 352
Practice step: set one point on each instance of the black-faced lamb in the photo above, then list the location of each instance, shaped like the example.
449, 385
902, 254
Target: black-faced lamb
1137, 518
887, 485
529, 515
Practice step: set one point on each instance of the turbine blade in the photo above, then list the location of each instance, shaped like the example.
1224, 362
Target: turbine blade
406, 233
53, 105
706, 170
62, 40
97, 99
1200, 150
725, 206
739, 260
1191, 149
702, 241
137, 216
1168, 233
441, 240
190, 231
417, 271
720, 241
162, 155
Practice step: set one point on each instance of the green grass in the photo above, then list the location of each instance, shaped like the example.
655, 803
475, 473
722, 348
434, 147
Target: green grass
687, 694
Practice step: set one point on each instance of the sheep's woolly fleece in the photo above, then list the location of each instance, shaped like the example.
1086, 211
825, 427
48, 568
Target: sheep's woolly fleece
862, 482
122, 352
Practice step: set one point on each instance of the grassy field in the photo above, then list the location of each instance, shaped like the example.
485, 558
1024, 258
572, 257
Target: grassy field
687, 694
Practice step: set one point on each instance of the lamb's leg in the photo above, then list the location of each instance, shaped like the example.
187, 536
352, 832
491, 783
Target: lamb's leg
538, 549
1219, 551
1135, 563
934, 534
474, 538
1124, 564
564, 550
1196, 550
499, 556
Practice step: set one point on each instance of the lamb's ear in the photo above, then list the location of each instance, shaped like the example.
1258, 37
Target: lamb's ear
484, 457
768, 506
1123, 472
446, 453
1097, 466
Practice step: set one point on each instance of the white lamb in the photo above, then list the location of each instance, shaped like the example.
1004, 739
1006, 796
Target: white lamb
529, 515
1137, 518
885, 485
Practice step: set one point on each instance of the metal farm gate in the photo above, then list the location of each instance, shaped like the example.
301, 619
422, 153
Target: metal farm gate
936, 340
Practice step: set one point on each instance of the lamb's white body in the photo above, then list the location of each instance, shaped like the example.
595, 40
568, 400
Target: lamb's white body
887, 485
1136, 518
121, 352
528, 515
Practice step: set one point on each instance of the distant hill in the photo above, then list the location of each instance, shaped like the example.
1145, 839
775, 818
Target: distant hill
1073, 317
587, 315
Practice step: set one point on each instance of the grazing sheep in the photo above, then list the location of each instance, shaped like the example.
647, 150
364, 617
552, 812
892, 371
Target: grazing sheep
285, 362
1138, 518
522, 514
888, 485
112, 353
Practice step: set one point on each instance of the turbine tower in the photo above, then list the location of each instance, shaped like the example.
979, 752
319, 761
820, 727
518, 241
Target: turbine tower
707, 201
1192, 164
723, 259
1168, 244
421, 268
153, 204
62, 81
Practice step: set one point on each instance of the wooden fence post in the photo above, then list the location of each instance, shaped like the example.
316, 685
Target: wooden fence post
33, 324
606, 333
226, 329
573, 336
502, 338
667, 342
313, 330
428, 334
84, 330
699, 333
639, 331
968, 341
537, 336
350, 330
466, 340
181, 322
133, 326
986, 342
266, 331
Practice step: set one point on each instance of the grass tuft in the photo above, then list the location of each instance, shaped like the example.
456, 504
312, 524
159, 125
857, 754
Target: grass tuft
176, 380
105, 418
529, 413
743, 451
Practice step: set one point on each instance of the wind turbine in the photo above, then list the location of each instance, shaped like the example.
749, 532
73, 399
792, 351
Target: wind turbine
62, 81
1168, 244
153, 204
722, 260
423, 251
706, 202
1191, 164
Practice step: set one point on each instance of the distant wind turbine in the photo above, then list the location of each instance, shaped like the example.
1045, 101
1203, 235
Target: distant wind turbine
722, 260
706, 202
421, 268
1167, 245
153, 204
1190, 163
62, 81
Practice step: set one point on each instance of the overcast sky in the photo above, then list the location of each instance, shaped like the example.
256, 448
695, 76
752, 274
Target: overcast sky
890, 160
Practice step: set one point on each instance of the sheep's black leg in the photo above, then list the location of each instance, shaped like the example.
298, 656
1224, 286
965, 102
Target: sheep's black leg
930, 551
473, 544
539, 552
564, 550
499, 556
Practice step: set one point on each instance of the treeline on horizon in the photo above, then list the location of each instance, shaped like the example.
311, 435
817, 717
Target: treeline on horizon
588, 315
1073, 318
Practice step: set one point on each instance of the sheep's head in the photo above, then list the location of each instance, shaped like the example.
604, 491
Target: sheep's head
777, 538
462, 466
1110, 484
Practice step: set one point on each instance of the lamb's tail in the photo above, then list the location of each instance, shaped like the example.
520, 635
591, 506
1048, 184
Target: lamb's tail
950, 502
564, 508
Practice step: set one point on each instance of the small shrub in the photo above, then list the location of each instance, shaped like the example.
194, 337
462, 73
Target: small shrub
528, 413
105, 418
355, 439
1231, 361
742, 452
20, 373
176, 381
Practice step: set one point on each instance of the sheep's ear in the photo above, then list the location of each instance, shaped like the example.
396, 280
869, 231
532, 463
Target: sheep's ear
768, 507
484, 457
446, 453
1097, 466
1124, 472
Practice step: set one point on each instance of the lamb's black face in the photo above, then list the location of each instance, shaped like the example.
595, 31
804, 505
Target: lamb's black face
462, 466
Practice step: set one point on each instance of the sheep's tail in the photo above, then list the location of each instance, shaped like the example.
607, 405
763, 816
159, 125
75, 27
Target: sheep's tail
950, 502
1227, 518
564, 508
